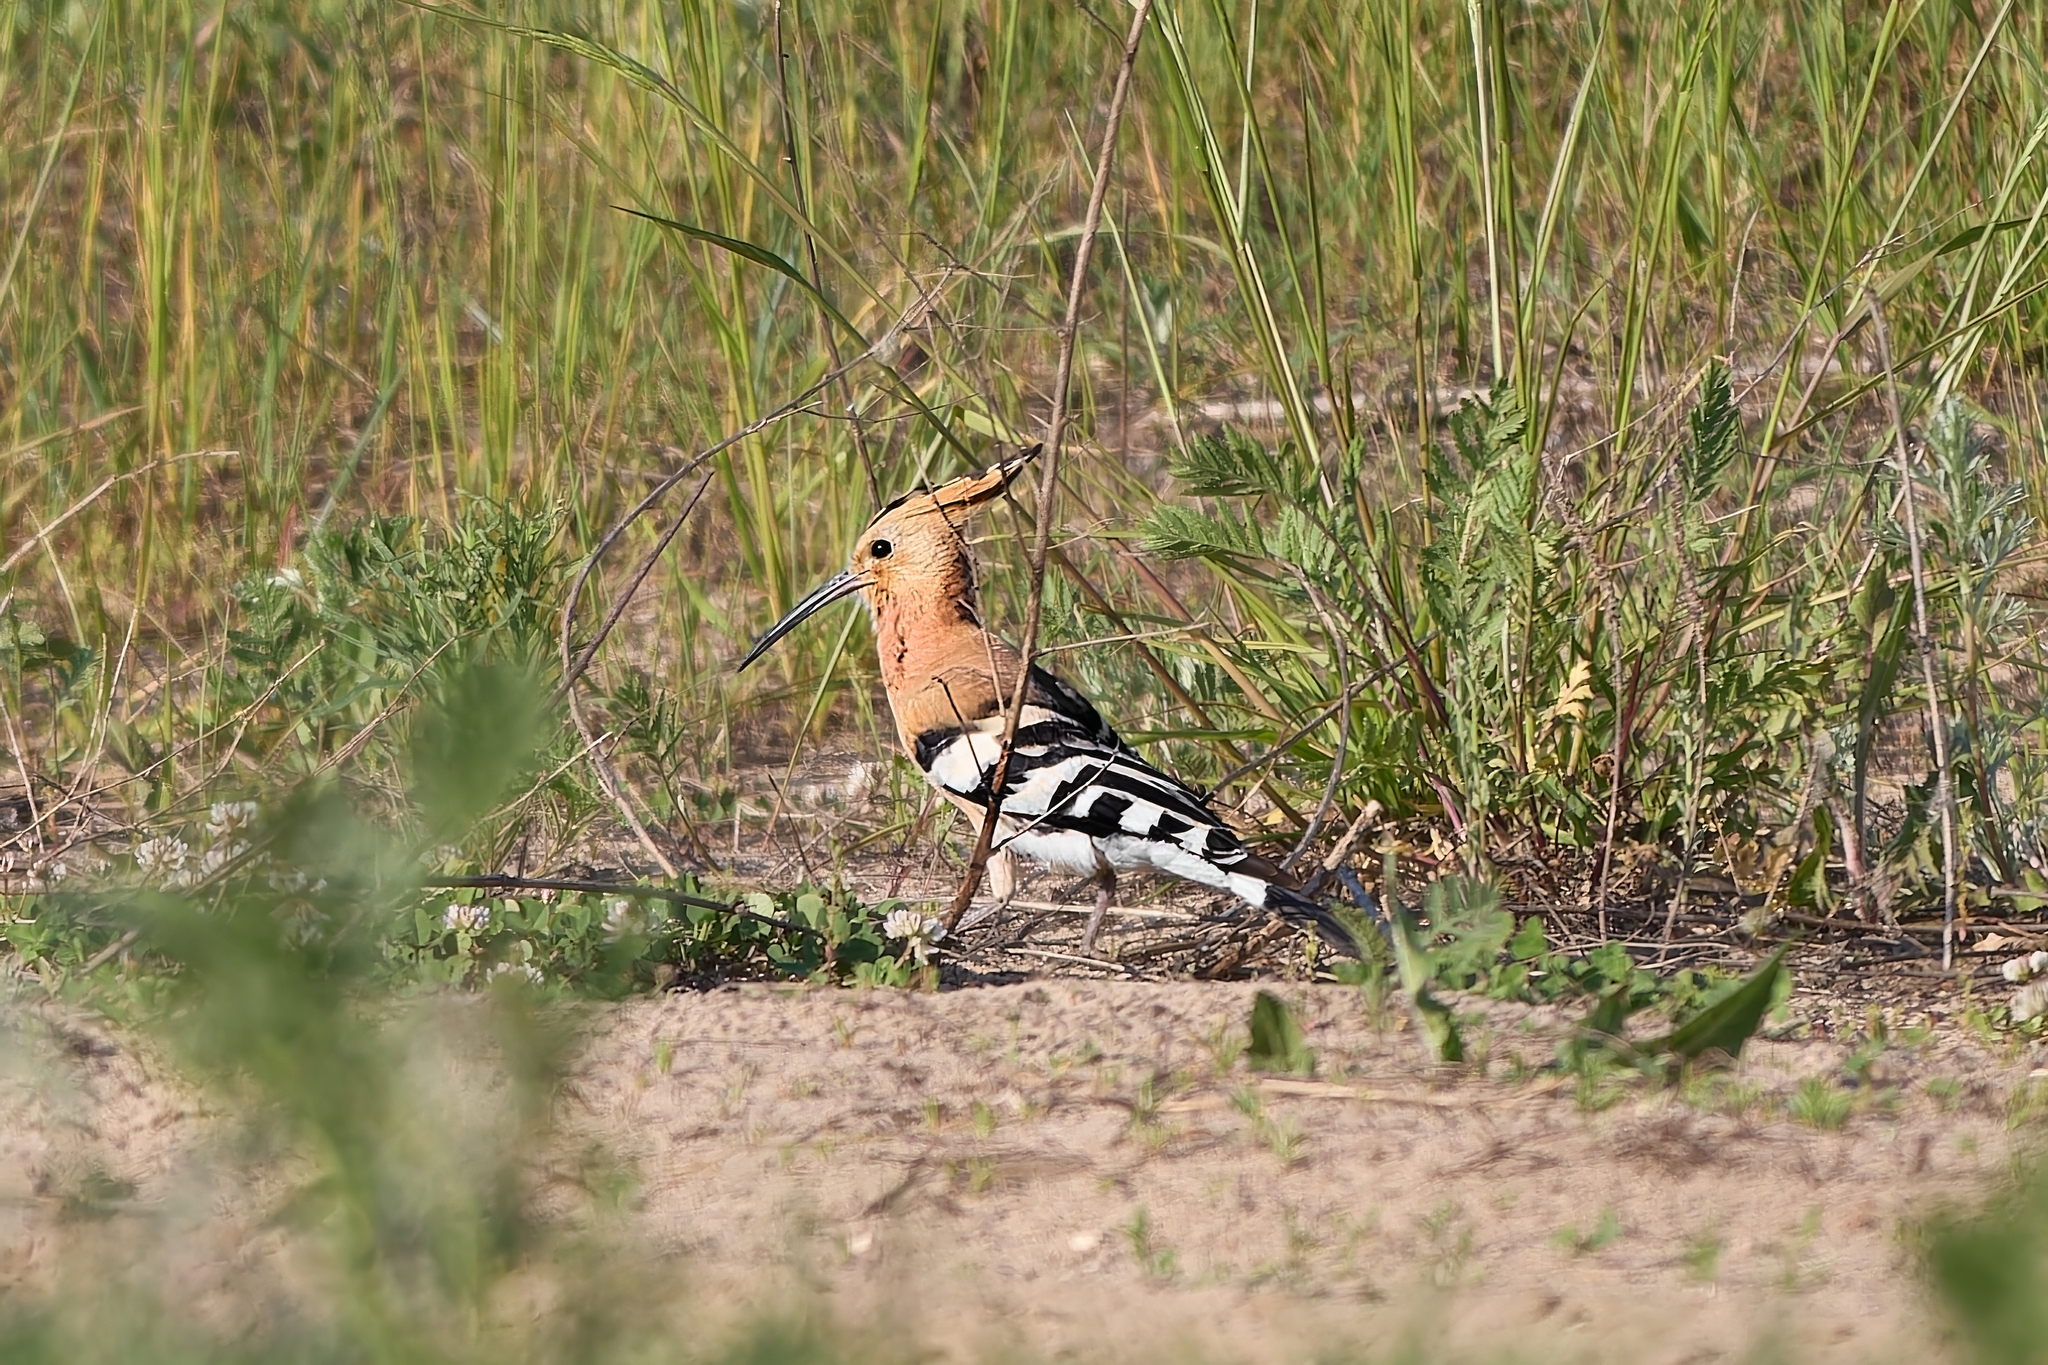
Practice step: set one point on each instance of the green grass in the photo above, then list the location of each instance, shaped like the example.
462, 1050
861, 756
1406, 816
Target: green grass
1819, 1103
280, 273
1606, 1231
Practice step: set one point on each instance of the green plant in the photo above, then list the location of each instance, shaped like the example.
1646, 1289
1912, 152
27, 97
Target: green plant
1819, 1103
408, 1192
1157, 1262
1450, 1238
1276, 1039
1703, 1257
1468, 931
1225, 1045
1604, 1232
1433, 1019
482, 733
1284, 1138
1988, 1267
1945, 1091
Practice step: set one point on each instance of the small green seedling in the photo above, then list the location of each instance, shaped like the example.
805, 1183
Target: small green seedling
1276, 1043
1432, 1017
1818, 1103
1606, 1231
1156, 1261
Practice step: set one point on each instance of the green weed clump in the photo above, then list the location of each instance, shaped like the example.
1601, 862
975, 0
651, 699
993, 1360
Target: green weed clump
1988, 1266
387, 1144
1598, 434
421, 912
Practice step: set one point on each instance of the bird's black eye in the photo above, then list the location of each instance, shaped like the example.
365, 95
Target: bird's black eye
880, 549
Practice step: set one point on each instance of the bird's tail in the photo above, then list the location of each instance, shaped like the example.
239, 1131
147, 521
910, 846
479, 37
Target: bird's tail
1296, 908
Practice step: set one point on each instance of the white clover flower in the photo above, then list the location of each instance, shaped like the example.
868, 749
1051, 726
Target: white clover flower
2019, 969
226, 817
163, 858
918, 932
526, 970
862, 779
220, 855
467, 919
2030, 1002
618, 917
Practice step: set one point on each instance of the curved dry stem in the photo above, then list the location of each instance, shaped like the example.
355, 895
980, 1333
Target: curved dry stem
1048, 483
575, 664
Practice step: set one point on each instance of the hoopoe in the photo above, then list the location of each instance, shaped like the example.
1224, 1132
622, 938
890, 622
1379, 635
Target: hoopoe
1076, 797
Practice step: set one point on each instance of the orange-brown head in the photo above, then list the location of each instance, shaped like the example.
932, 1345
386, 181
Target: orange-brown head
913, 568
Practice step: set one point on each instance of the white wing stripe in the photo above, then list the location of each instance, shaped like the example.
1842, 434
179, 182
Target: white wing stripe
1106, 794
961, 763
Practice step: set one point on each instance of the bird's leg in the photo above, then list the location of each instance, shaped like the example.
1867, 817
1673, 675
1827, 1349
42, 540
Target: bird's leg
1105, 896
1002, 875
1000, 879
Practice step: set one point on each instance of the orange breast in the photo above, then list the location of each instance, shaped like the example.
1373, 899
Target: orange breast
940, 669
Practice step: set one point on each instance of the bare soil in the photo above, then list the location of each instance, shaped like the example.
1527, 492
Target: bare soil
1086, 1169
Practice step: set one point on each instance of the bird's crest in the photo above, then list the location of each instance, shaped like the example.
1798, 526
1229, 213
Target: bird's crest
967, 491
972, 490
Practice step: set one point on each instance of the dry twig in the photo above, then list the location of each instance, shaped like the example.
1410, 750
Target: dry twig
1048, 483
575, 665
1944, 790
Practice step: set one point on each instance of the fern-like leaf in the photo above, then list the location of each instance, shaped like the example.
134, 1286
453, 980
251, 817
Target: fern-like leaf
1183, 533
1716, 434
1230, 464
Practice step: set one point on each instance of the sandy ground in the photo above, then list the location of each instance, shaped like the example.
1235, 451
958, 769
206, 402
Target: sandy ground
1087, 1170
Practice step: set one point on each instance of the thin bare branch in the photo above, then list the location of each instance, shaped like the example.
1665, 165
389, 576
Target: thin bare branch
1944, 790
1048, 484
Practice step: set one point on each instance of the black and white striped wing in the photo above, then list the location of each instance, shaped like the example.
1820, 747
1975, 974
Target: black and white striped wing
1064, 779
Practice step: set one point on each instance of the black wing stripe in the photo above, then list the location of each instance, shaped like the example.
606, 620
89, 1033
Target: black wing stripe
1037, 744
1057, 694
1034, 753
1099, 803
1088, 822
1161, 791
1113, 772
1108, 811
1121, 772
1168, 826
1082, 755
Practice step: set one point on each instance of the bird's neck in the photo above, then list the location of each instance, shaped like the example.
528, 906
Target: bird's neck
940, 666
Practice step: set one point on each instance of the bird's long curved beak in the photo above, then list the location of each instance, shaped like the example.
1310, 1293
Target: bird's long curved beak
824, 595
